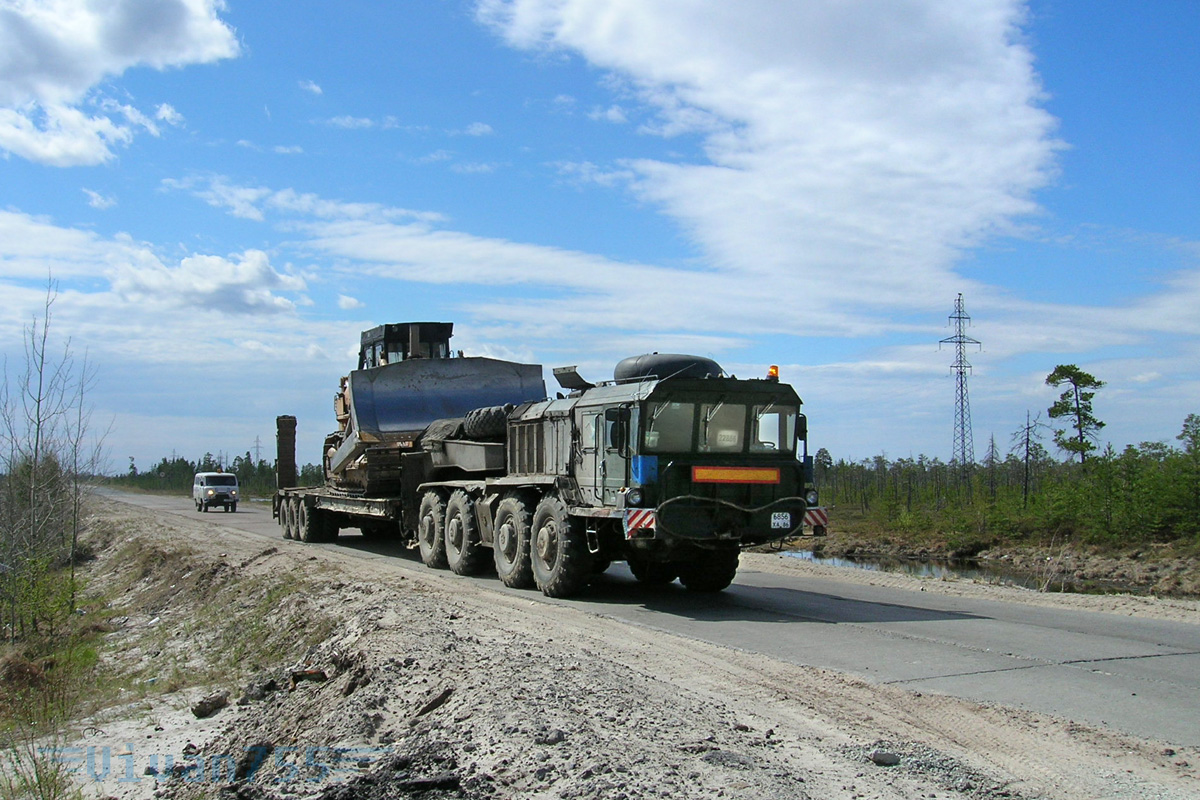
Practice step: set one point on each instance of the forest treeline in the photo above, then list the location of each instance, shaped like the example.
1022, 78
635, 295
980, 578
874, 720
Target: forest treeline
1145, 493
175, 474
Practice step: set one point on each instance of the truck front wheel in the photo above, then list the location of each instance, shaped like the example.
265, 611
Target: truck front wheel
709, 570
464, 550
431, 537
653, 573
561, 562
511, 545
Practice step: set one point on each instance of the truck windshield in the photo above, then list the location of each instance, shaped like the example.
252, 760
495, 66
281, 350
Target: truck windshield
773, 428
719, 426
669, 427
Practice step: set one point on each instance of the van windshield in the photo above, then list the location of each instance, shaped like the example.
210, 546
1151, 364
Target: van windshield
221, 480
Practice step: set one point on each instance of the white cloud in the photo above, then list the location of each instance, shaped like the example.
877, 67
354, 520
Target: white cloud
167, 113
845, 147
614, 114
473, 168
479, 129
310, 86
99, 201
347, 303
52, 55
243, 284
352, 123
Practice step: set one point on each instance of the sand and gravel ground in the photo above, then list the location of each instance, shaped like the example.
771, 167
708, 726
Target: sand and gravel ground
353, 679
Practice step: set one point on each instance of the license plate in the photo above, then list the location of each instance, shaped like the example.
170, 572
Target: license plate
781, 519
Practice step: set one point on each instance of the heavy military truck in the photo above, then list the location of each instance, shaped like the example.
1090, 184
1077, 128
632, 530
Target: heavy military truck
672, 466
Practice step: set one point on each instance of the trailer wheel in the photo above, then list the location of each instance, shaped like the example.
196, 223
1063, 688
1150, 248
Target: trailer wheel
653, 573
709, 570
311, 524
464, 550
510, 548
431, 539
288, 518
562, 564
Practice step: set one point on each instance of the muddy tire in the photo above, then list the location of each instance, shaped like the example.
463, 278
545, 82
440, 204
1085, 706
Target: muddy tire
709, 570
465, 553
653, 573
510, 546
559, 556
431, 537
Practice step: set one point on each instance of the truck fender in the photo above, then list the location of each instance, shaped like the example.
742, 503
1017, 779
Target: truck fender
485, 515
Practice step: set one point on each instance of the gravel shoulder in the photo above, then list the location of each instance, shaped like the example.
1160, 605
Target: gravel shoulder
352, 679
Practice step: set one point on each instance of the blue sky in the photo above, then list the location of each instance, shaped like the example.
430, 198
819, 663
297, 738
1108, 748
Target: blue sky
227, 193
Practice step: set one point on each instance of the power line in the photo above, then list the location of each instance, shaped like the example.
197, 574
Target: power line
964, 440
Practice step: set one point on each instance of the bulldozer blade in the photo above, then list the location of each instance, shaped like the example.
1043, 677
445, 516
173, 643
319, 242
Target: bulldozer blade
398, 400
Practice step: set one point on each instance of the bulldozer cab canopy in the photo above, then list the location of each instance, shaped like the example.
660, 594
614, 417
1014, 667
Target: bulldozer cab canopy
390, 344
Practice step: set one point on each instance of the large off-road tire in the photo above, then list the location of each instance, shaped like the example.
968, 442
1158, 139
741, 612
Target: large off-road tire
287, 512
465, 553
431, 537
562, 564
510, 545
653, 573
709, 570
486, 423
312, 524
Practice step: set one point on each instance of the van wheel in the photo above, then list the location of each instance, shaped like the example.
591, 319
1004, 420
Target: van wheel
510, 548
464, 550
431, 537
562, 564
233, 507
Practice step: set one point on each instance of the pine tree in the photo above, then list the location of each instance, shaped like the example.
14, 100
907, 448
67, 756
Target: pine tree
1075, 404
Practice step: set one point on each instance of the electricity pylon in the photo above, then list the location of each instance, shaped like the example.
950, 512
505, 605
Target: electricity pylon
964, 440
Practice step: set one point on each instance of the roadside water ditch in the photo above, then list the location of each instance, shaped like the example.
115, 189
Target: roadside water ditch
968, 570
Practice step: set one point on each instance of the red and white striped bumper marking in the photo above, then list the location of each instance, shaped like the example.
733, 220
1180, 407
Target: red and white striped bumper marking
638, 519
816, 516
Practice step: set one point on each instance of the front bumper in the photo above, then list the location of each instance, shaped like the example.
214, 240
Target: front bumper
707, 519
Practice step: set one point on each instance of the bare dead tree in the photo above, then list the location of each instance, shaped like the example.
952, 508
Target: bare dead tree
48, 456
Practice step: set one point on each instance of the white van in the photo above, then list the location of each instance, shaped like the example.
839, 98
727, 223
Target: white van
215, 489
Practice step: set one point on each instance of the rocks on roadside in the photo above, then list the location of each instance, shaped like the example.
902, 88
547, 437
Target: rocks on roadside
210, 705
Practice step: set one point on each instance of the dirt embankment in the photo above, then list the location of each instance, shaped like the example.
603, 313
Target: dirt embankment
335, 677
1156, 569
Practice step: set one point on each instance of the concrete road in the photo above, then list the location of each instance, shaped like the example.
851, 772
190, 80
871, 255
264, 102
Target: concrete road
1134, 675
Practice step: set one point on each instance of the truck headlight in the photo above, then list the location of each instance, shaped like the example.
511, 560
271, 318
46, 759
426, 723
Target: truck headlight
810, 497
633, 497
